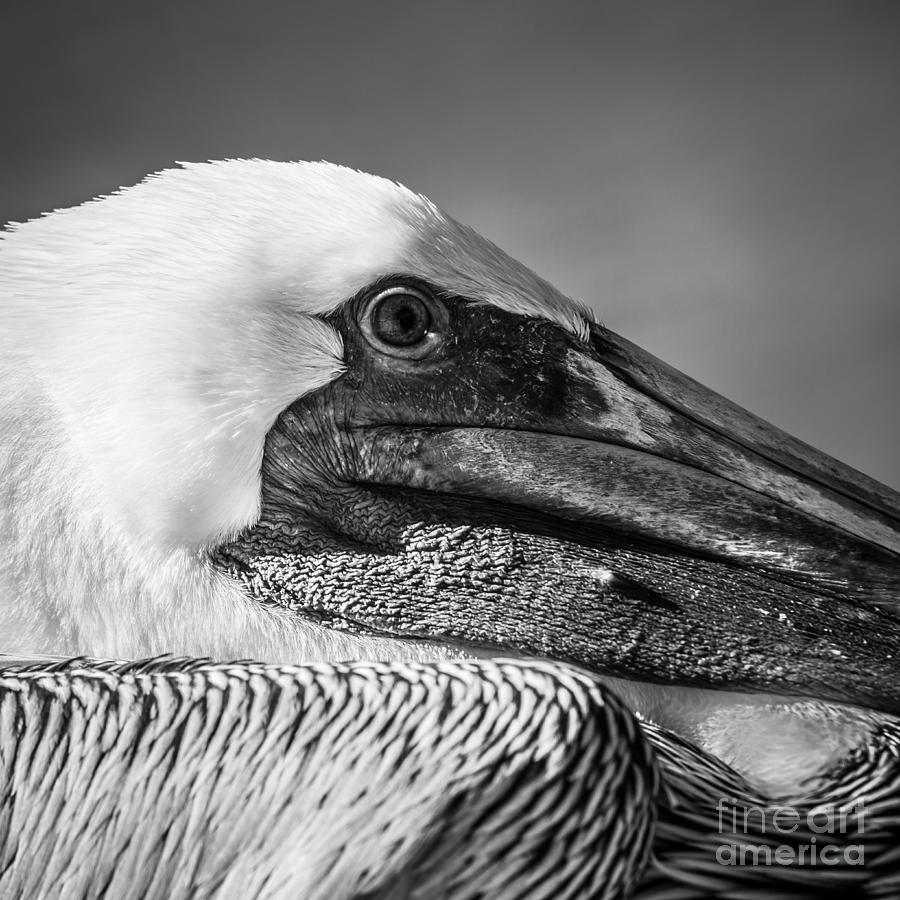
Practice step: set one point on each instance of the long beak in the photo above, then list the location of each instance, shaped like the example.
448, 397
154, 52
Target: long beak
778, 567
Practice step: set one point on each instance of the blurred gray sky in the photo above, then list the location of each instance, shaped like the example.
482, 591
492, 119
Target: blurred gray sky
720, 180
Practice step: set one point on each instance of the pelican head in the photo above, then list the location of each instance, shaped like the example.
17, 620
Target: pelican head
294, 412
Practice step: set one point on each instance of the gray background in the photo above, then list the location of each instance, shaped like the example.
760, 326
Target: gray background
719, 180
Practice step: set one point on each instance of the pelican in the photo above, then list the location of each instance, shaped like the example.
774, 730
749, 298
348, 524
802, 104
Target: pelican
345, 557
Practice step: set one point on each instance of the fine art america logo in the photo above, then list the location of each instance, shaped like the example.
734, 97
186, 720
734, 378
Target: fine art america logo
823, 835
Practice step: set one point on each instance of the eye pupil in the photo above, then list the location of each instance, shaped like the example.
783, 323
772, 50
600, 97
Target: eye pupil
401, 320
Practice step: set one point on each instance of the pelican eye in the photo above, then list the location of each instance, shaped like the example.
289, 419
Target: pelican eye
403, 321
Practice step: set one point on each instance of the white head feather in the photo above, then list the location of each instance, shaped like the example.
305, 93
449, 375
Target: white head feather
150, 339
